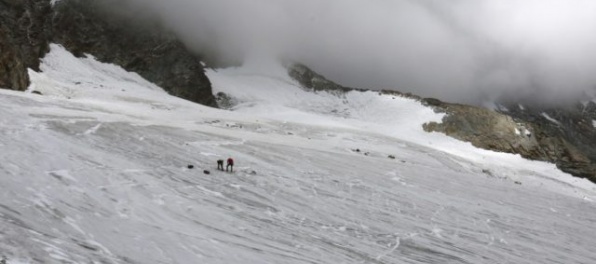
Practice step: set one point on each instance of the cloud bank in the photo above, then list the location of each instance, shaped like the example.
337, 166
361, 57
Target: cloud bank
468, 51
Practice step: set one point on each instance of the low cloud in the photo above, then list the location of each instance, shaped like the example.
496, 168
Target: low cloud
469, 51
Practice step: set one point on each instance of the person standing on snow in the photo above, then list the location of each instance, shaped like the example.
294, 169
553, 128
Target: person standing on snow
230, 164
220, 164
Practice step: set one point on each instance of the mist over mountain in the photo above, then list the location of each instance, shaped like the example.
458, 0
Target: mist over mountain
468, 51
144, 44
111, 129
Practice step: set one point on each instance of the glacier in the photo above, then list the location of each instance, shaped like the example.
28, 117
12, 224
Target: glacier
96, 171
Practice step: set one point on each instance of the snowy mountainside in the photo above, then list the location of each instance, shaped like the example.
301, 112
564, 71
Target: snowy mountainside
95, 171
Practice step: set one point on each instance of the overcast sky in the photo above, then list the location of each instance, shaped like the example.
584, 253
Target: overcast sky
457, 50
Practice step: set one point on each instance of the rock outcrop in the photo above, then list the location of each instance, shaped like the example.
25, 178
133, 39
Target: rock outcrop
23, 40
571, 124
570, 143
507, 132
137, 44
312, 80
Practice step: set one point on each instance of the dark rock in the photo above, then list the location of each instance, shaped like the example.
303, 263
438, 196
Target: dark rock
529, 136
24, 38
391, 157
315, 82
138, 44
37, 92
206, 172
312, 80
225, 101
190, 167
487, 172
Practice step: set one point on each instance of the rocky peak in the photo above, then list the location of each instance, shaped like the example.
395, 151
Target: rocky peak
137, 44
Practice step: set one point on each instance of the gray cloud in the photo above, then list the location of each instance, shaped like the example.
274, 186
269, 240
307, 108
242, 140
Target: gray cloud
466, 51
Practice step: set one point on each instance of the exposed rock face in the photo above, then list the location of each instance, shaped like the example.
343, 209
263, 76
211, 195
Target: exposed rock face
529, 137
138, 45
13, 73
86, 27
312, 80
309, 79
572, 124
571, 144
23, 40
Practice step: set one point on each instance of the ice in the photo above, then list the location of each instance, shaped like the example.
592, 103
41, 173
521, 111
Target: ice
92, 130
92, 174
545, 115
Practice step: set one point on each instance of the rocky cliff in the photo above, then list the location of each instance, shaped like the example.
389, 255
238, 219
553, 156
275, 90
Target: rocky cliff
569, 143
24, 37
137, 43
527, 134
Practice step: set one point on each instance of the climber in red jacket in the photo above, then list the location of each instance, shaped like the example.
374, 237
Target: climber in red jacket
230, 164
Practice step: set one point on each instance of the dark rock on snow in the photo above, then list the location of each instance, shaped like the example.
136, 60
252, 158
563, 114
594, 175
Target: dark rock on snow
311, 80
24, 37
137, 44
571, 144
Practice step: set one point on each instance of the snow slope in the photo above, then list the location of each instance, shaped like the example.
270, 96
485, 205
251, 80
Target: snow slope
95, 171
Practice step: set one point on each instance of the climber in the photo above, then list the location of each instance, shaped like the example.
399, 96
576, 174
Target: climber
230, 164
220, 164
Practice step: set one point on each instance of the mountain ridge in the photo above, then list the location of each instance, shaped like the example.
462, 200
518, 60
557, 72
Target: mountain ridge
519, 132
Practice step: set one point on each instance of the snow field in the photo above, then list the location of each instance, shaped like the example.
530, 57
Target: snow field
93, 174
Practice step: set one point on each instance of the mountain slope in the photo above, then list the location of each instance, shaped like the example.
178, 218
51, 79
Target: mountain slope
95, 171
562, 135
569, 141
104, 29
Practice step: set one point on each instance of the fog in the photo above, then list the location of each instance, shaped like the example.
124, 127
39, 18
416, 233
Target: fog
470, 51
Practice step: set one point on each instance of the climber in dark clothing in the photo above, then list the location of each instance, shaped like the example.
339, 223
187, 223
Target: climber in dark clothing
220, 164
230, 164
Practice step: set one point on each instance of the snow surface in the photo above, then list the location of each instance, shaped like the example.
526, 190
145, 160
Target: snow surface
95, 171
594, 123
545, 115
521, 107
